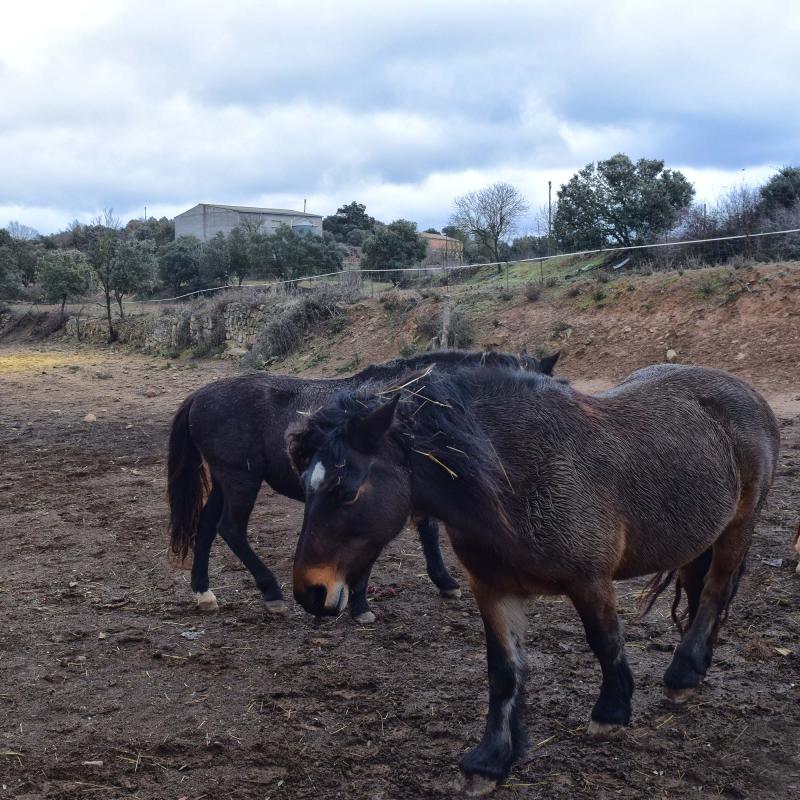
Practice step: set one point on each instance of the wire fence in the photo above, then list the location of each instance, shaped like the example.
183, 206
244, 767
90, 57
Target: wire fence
734, 250
691, 253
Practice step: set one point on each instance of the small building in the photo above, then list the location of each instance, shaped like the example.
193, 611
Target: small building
205, 220
443, 249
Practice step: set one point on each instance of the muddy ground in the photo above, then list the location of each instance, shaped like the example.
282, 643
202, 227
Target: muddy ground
113, 685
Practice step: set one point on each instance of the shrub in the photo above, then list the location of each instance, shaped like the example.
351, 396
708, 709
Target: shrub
598, 295
706, 288
398, 302
603, 277
428, 326
551, 282
462, 330
533, 292
573, 291
284, 333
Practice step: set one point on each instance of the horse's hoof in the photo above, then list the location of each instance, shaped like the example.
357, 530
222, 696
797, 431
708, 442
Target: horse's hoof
678, 697
277, 608
603, 730
206, 601
365, 618
451, 594
478, 785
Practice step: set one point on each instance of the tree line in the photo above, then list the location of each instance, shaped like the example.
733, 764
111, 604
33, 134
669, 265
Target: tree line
613, 203
623, 203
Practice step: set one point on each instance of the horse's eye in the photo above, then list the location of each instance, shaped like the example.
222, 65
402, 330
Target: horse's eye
348, 498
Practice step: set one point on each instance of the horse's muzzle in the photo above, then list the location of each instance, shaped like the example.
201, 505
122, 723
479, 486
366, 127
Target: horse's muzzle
323, 601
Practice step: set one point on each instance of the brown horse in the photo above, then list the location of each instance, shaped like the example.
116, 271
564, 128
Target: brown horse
545, 490
236, 430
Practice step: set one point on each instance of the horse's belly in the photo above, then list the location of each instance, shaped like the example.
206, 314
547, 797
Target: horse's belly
653, 550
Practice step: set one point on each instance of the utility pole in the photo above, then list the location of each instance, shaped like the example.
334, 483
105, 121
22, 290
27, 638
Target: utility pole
145, 213
304, 205
549, 217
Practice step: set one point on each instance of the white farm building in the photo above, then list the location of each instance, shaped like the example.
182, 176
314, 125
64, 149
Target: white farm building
207, 219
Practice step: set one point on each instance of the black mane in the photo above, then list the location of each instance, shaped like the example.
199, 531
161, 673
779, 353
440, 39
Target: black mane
455, 358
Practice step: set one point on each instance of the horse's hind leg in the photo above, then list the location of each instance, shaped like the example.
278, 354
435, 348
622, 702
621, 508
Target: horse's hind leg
240, 491
693, 655
597, 606
428, 530
692, 576
206, 532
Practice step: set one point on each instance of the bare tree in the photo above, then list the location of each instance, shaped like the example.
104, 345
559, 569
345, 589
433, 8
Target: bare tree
490, 215
23, 233
102, 247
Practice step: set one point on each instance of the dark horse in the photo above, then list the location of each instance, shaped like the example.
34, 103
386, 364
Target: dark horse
545, 490
238, 428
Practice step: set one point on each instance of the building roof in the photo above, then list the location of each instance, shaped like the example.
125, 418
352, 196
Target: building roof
256, 210
439, 236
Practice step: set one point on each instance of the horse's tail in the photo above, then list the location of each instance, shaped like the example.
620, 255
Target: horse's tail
659, 582
187, 483
654, 589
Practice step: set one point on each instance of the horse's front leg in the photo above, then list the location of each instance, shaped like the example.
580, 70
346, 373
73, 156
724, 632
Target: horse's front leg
503, 739
596, 603
428, 530
359, 607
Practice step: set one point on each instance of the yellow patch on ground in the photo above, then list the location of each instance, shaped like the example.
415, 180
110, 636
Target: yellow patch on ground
36, 362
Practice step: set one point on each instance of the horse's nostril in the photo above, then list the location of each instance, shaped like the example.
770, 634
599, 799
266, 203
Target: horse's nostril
316, 598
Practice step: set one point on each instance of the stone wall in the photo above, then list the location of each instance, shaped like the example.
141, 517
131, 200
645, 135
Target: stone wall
233, 328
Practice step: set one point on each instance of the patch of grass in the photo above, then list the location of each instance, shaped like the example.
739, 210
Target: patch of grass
598, 295
352, 365
706, 289
317, 358
200, 350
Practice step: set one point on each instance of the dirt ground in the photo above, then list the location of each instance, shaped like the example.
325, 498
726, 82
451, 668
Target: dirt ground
112, 684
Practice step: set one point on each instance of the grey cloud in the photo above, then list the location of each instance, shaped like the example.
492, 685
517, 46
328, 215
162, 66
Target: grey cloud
180, 102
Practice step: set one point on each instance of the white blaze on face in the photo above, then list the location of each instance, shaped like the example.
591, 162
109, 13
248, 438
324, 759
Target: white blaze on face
317, 476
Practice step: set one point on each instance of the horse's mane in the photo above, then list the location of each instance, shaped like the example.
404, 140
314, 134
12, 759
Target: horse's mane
450, 358
434, 426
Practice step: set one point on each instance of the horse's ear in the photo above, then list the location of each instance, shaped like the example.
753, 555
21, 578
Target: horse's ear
298, 449
547, 363
367, 432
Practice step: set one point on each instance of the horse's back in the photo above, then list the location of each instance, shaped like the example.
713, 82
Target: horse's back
744, 415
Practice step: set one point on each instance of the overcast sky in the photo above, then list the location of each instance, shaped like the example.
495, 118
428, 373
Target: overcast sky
399, 105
